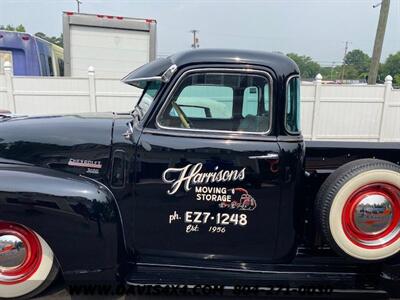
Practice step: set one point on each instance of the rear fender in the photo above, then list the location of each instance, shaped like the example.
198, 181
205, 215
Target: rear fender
77, 217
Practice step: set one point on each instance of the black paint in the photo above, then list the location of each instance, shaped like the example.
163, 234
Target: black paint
101, 223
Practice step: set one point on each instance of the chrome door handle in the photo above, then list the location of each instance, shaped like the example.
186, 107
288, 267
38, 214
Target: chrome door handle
129, 132
269, 156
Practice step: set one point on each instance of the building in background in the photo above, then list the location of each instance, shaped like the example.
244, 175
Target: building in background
112, 45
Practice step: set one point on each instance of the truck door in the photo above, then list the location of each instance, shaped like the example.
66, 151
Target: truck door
208, 171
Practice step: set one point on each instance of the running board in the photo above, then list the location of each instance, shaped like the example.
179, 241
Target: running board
148, 273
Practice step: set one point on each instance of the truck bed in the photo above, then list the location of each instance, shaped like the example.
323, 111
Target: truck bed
327, 156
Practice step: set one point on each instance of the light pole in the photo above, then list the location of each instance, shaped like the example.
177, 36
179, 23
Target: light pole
195, 44
78, 3
346, 47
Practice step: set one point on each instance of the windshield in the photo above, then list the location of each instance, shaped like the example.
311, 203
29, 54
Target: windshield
148, 96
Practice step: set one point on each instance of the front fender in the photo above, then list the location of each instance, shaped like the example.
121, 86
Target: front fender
76, 216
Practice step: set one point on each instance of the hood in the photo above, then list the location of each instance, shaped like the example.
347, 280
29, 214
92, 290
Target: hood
79, 143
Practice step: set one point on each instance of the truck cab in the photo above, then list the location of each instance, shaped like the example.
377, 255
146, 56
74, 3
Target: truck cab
215, 132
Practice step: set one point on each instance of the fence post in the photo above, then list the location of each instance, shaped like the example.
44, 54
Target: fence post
9, 87
92, 90
317, 99
386, 98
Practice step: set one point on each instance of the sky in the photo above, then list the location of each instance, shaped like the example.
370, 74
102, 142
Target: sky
308, 27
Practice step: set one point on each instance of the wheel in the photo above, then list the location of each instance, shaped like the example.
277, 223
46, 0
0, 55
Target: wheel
27, 264
358, 209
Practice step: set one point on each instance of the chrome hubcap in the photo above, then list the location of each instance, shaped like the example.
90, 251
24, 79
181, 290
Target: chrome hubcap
12, 252
373, 214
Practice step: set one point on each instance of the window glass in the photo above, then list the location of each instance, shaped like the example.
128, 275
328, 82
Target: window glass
250, 101
148, 96
219, 101
266, 96
50, 62
43, 64
5, 56
292, 118
61, 66
205, 101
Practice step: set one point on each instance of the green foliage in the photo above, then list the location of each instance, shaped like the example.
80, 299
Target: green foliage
19, 28
392, 67
359, 60
396, 79
351, 72
308, 68
59, 41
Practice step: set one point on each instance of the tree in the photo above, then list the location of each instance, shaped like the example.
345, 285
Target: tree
359, 60
52, 39
392, 67
351, 73
308, 67
19, 28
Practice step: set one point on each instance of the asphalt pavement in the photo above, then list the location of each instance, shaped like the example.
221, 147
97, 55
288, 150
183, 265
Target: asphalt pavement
58, 291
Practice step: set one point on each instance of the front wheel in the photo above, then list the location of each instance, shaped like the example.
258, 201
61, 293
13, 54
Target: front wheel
27, 264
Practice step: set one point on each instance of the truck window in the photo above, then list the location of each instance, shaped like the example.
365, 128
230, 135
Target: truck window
266, 95
197, 100
250, 101
292, 114
219, 102
148, 96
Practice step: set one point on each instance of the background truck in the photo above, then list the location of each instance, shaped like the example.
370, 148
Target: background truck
113, 45
207, 181
30, 55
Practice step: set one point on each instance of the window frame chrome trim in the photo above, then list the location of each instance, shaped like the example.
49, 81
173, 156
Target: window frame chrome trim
286, 105
265, 74
164, 78
232, 137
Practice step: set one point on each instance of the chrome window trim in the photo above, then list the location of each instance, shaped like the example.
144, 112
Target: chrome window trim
155, 78
298, 138
165, 77
286, 104
207, 135
227, 70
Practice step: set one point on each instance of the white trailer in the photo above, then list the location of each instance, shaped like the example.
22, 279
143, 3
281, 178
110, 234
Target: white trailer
114, 46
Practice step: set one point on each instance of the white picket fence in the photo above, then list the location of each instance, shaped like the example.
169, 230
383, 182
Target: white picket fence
329, 111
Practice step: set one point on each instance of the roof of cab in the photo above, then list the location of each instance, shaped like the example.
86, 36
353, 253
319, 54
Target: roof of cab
279, 63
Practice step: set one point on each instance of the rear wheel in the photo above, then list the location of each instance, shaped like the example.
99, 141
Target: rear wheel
358, 207
27, 264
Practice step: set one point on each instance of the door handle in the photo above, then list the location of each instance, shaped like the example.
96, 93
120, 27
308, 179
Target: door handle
269, 156
129, 132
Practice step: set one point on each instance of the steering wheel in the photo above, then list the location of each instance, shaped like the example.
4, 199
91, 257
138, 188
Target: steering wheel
182, 117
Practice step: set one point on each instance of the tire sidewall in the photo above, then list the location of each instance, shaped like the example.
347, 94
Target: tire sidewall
36, 280
336, 228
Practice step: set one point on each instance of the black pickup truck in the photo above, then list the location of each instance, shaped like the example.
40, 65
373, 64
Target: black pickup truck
207, 181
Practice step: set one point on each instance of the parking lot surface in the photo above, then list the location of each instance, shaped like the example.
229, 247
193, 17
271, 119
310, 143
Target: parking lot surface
58, 291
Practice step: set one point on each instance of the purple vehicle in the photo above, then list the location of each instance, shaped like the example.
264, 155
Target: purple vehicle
30, 55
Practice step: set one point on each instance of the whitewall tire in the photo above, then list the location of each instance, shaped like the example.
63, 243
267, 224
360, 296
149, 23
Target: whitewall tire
27, 263
358, 208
